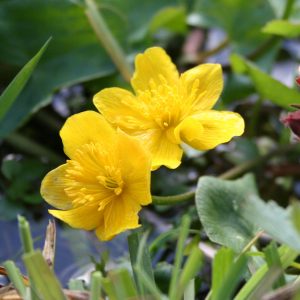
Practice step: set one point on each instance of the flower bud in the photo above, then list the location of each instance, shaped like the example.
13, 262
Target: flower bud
292, 120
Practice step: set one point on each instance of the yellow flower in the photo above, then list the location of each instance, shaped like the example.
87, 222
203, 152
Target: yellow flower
106, 180
168, 109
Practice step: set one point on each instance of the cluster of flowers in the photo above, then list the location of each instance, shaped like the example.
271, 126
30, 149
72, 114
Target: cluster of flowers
107, 178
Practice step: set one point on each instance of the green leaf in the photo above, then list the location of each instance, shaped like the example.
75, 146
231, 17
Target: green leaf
15, 277
140, 256
192, 266
273, 219
268, 87
170, 18
229, 274
74, 56
287, 256
11, 93
282, 28
47, 286
95, 286
232, 212
222, 263
295, 214
241, 20
273, 261
183, 234
123, 284
219, 203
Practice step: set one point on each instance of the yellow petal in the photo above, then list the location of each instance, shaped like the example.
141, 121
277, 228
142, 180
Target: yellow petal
84, 128
153, 68
84, 217
121, 108
52, 188
164, 152
208, 129
135, 168
200, 87
119, 215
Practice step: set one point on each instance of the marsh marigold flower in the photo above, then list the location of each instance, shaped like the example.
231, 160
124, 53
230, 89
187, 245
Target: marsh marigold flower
169, 109
106, 180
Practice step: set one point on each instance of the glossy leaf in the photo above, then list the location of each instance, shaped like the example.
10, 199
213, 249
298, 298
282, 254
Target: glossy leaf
232, 212
241, 20
219, 204
169, 18
268, 87
282, 28
74, 56
273, 219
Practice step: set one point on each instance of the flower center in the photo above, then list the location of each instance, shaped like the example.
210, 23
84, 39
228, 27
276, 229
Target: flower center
114, 184
93, 175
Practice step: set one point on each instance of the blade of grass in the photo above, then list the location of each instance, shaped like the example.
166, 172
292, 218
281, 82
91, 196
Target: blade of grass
191, 268
46, 286
273, 260
109, 288
140, 256
148, 283
265, 283
16, 278
95, 290
189, 292
287, 256
222, 263
25, 234
230, 279
183, 234
11, 93
123, 284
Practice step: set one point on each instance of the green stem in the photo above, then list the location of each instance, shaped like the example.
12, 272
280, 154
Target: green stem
24, 229
107, 40
230, 174
288, 9
183, 234
95, 291
165, 200
15, 277
25, 144
218, 48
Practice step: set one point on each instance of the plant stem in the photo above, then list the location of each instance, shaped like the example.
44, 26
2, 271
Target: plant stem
183, 234
288, 9
95, 291
107, 40
218, 48
230, 174
24, 229
165, 200
25, 144
15, 277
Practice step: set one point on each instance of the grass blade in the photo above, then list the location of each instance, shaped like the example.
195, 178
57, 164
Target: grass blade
140, 256
273, 261
11, 93
95, 290
183, 234
46, 286
15, 277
